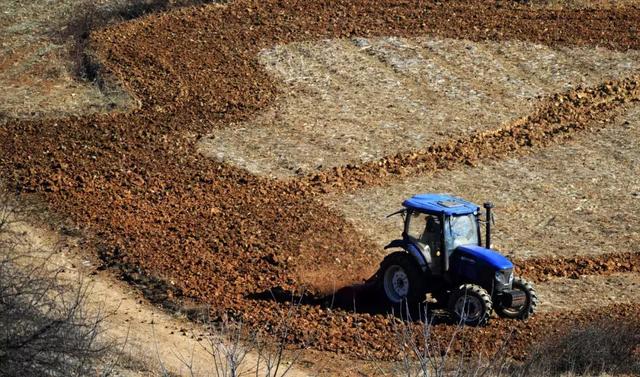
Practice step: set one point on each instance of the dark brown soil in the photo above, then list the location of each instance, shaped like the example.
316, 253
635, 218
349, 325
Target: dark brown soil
220, 236
541, 269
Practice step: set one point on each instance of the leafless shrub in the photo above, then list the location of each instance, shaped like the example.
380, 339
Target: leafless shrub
603, 346
422, 355
45, 326
10, 213
236, 350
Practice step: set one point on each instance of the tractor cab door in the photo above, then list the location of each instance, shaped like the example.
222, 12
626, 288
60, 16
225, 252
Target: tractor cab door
425, 231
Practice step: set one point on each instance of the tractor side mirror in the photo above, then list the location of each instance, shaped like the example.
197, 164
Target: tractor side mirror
400, 211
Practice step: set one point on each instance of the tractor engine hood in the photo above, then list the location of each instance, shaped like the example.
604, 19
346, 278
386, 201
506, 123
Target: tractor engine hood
488, 256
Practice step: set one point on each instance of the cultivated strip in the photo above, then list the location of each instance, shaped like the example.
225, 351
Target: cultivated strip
558, 118
217, 234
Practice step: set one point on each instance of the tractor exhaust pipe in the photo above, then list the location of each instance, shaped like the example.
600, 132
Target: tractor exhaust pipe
488, 206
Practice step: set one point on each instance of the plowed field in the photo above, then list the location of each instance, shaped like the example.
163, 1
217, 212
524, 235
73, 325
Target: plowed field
218, 235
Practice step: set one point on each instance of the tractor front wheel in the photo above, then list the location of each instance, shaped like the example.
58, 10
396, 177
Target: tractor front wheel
401, 280
528, 308
471, 305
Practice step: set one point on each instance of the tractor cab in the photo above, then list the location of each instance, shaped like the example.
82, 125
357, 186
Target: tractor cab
437, 224
443, 255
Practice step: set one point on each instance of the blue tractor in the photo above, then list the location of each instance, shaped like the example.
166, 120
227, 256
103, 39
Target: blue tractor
443, 255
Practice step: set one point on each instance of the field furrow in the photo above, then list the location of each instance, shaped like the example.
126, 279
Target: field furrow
398, 97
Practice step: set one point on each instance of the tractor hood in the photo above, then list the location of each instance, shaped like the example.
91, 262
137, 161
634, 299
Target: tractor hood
488, 256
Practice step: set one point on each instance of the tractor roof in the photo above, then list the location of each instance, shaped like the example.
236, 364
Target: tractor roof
436, 204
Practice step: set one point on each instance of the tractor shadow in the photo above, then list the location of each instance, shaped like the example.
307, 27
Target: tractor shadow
358, 298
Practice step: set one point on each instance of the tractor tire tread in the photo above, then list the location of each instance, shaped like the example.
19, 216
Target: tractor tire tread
527, 287
478, 291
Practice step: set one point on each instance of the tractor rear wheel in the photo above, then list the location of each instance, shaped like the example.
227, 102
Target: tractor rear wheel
471, 305
401, 280
524, 311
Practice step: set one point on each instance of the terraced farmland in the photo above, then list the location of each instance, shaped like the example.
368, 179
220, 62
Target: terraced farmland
272, 136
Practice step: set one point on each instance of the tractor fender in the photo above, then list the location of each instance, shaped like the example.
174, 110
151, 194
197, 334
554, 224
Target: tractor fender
396, 243
412, 250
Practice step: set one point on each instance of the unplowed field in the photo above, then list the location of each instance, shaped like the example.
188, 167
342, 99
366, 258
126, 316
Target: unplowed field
219, 235
35, 71
358, 100
577, 198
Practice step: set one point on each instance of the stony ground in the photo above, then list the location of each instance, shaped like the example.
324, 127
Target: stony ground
208, 232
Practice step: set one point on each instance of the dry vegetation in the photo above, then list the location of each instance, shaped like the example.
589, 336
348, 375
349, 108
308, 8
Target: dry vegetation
46, 326
37, 72
349, 101
583, 4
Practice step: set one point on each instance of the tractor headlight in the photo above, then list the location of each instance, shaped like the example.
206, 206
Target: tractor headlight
504, 277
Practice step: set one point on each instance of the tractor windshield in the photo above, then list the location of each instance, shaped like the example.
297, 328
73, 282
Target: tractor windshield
461, 230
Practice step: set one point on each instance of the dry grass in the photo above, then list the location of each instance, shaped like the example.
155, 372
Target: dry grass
35, 72
578, 198
583, 4
565, 294
598, 348
356, 100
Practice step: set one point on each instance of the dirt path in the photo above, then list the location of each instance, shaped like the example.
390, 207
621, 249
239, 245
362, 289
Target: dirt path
148, 339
